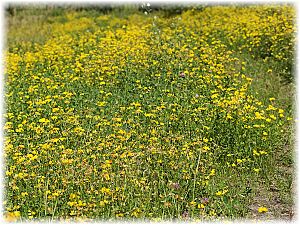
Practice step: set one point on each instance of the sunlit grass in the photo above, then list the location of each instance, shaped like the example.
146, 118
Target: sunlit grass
147, 117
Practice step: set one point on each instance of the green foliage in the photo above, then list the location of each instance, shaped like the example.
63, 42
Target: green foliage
123, 115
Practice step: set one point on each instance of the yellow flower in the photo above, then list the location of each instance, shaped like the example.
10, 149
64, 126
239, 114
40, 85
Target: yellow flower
201, 206
219, 193
71, 203
24, 194
72, 196
206, 148
120, 215
193, 203
239, 161
44, 120
262, 210
102, 203
101, 103
106, 176
256, 170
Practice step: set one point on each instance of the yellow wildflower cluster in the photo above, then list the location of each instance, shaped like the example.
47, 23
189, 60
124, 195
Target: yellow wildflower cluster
109, 110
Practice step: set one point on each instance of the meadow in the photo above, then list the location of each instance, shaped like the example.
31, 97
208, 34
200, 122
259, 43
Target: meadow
127, 115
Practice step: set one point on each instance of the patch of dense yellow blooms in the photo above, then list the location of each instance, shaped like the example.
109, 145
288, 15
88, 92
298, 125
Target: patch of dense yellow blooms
132, 117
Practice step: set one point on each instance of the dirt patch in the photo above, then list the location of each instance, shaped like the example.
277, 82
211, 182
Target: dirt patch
278, 198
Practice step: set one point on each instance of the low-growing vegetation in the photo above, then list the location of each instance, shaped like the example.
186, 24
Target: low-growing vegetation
122, 114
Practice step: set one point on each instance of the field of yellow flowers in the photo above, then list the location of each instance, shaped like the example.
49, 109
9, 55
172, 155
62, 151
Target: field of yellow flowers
142, 116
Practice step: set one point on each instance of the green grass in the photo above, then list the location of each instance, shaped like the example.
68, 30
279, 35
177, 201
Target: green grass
123, 115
